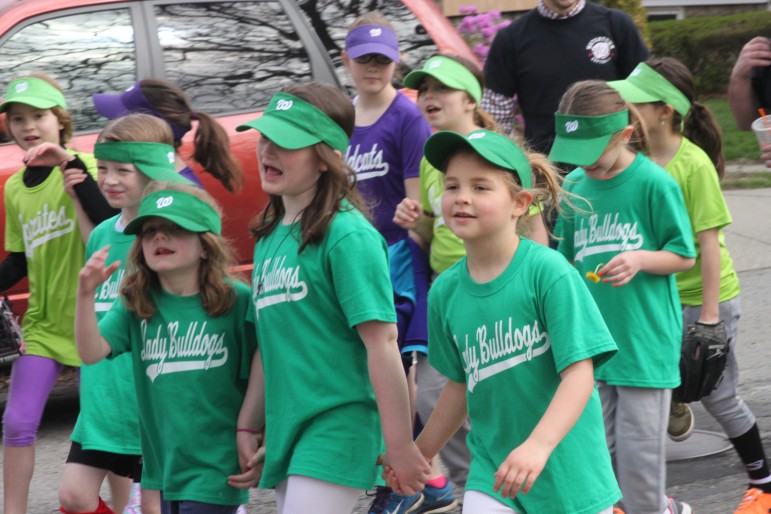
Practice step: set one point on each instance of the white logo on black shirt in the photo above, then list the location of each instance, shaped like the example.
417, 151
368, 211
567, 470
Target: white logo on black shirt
601, 50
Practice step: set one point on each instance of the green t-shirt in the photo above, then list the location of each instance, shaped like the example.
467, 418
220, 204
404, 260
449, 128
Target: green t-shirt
639, 209
108, 401
321, 417
707, 209
508, 340
191, 372
446, 247
41, 222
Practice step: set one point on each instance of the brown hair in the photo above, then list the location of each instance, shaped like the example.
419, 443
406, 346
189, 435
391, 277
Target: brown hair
333, 186
482, 118
215, 290
137, 128
700, 125
64, 117
211, 144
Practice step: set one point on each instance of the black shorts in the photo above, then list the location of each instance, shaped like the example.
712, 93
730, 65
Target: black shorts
129, 466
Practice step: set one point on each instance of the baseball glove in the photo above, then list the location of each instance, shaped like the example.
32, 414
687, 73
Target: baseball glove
703, 358
10, 334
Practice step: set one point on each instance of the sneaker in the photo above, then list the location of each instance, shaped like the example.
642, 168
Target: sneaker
755, 502
241, 509
438, 499
676, 507
616, 510
680, 421
388, 502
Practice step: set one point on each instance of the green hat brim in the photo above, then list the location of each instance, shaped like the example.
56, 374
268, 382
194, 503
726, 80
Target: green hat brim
443, 144
33, 101
135, 225
281, 132
579, 152
184, 209
632, 93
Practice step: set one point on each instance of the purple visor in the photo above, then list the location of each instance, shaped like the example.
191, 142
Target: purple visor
372, 39
132, 101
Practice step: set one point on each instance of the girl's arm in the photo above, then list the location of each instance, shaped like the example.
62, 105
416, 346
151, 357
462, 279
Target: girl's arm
710, 276
91, 347
390, 387
409, 215
525, 463
249, 429
447, 417
623, 267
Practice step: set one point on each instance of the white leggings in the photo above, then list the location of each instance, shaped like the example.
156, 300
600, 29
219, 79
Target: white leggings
475, 502
300, 494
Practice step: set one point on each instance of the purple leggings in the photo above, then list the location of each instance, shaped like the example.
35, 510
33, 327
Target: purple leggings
32, 379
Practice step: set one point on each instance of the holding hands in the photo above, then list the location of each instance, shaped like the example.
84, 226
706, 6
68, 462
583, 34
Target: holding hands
405, 470
251, 459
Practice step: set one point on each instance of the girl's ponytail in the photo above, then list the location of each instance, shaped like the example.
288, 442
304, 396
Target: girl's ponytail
212, 151
700, 126
639, 140
485, 120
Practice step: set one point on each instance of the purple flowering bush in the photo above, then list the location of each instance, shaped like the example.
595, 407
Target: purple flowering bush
478, 29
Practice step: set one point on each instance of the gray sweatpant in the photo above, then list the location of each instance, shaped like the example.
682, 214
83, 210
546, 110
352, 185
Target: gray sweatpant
724, 403
636, 420
455, 454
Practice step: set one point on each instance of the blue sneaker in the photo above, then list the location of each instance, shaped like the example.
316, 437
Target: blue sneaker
388, 502
438, 499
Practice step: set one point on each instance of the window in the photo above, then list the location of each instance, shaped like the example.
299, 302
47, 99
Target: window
230, 56
86, 53
331, 19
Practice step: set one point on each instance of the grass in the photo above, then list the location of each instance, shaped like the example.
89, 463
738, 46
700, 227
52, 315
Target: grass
737, 145
746, 180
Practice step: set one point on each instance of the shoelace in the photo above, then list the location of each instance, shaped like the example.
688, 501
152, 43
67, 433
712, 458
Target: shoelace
379, 504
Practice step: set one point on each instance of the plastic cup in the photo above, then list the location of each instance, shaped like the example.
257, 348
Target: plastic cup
762, 129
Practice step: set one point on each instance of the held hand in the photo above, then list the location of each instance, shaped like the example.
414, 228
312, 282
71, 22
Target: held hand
95, 272
622, 268
765, 154
251, 458
523, 466
46, 154
73, 177
407, 213
410, 469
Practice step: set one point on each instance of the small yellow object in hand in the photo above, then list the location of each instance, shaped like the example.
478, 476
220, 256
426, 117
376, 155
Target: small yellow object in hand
592, 275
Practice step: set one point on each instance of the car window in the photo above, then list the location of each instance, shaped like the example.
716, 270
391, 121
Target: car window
230, 56
331, 19
86, 53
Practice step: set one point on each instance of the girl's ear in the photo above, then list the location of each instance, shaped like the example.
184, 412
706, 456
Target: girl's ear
665, 113
522, 201
626, 134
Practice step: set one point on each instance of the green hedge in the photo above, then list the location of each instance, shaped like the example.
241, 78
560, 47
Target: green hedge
708, 46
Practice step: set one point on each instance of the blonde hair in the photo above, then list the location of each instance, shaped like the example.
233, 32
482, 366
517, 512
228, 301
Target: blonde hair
217, 295
597, 98
142, 128
371, 18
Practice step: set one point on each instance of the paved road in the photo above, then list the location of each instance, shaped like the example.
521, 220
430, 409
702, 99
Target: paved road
713, 484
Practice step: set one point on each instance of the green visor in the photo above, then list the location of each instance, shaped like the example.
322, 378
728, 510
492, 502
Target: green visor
491, 146
646, 85
449, 72
184, 209
156, 160
292, 123
580, 140
35, 92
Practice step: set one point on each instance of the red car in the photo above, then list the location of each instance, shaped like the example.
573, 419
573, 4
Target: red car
229, 57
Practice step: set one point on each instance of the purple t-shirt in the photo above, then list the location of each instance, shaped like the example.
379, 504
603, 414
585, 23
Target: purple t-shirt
383, 155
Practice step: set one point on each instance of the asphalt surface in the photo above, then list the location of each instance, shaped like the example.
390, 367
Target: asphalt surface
712, 484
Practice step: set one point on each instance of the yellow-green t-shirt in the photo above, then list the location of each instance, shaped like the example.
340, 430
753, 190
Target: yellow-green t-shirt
41, 222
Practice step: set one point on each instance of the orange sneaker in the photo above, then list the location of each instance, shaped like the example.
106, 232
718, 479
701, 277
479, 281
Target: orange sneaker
755, 502
616, 510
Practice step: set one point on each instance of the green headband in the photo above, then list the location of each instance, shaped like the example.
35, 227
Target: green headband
293, 123
580, 140
184, 209
156, 160
35, 92
449, 72
645, 85
491, 146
